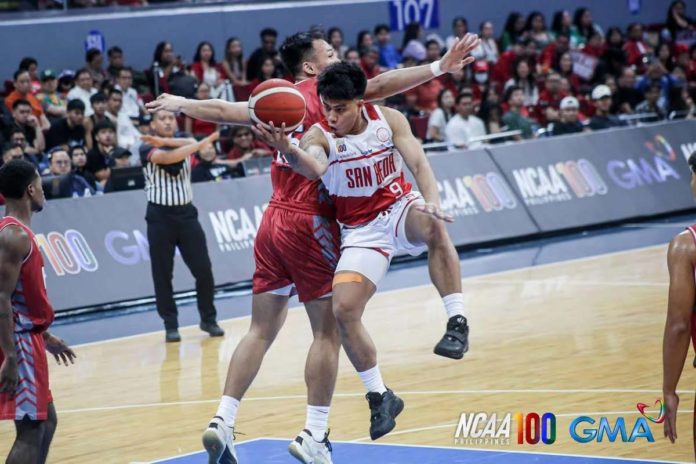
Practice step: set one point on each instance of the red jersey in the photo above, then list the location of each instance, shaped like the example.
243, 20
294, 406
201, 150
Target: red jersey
294, 191
30, 306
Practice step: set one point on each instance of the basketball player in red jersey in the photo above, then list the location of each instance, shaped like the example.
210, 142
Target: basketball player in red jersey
358, 152
681, 317
297, 246
25, 314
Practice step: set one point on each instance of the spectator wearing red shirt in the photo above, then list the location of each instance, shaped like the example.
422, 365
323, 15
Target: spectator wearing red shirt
552, 51
564, 66
267, 71
369, 61
197, 127
636, 49
481, 79
22, 91
246, 146
205, 68
426, 95
595, 45
550, 99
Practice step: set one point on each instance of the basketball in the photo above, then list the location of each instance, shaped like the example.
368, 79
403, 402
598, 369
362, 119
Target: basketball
279, 101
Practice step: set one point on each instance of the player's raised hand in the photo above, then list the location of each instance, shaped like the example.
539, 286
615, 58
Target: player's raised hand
165, 102
211, 139
273, 136
458, 55
9, 376
59, 349
435, 211
671, 406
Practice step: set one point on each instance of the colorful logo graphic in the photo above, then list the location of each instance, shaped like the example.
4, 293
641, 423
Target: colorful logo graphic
661, 148
661, 415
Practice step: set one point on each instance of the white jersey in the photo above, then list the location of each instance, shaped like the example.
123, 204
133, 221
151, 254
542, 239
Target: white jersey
365, 174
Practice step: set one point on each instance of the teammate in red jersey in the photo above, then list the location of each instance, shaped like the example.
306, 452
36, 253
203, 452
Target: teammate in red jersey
681, 317
358, 152
25, 314
296, 247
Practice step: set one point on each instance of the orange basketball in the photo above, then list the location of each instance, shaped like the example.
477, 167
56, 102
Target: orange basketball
279, 101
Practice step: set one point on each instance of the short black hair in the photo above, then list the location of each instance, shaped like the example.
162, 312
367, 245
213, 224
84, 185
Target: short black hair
115, 90
11, 146
296, 49
76, 104
510, 90
113, 50
692, 162
97, 97
26, 63
268, 31
19, 72
381, 27
91, 54
103, 125
20, 102
81, 72
465, 93
342, 81
654, 85
15, 177
125, 68
461, 19
430, 42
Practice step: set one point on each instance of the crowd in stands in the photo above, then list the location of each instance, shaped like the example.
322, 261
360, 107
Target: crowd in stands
533, 78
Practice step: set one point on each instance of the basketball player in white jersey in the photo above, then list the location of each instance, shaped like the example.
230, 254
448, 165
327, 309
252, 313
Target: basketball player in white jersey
358, 151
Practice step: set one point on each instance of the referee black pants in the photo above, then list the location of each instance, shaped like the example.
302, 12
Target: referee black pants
168, 228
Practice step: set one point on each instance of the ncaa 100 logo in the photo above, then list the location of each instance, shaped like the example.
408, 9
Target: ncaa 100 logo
67, 253
467, 194
489, 429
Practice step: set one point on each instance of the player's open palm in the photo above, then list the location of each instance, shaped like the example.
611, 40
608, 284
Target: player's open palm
435, 211
165, 102
9, 376
273, 136
60, 350
672, 406
458, 55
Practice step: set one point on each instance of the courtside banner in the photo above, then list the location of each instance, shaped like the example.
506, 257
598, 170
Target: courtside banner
475, 192
603, 176
96, 249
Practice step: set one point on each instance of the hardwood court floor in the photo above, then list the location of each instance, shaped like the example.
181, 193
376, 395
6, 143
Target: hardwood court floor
569, 338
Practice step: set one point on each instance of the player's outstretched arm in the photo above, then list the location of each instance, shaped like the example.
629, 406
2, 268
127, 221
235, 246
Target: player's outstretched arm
177, 155
171, 142
416, 161
14, 247
400, 80
219, 111
675, 345
310, 158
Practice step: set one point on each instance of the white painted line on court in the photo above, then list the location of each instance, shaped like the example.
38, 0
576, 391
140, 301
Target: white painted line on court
571, 283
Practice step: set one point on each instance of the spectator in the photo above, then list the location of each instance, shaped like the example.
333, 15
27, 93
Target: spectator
267, 50
22, 91
245, 146
205, 68
32, 67
488, 48
144, 124
83, 90
636, 49
267, 71
197, 127
127, 135
17, 137
568, 123
583, 24
78, 155
440, 116
364, 41
513, 30
209, 169
551, 53
426, 95
664, 54
481, 77
550, 99
132, 103
70, 130
335, 36
233, 65
163, 67
681, 105
595, 45
98, 104
656, 73
120, 158
94, 62
535, 28
389, 56
115, 56
460, 27
562, 24
369, 62
12, 151
627, 96
523, 79
433, 52
677, 22
491, 114
564, 66
650, 104
462, 130
24, 121
352, 56
61, 165
53, 105
98, 158
513, 119
66, 81
601, 96
412, 47
614, 58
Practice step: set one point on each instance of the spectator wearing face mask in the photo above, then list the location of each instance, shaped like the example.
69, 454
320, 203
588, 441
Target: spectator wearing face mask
481, 78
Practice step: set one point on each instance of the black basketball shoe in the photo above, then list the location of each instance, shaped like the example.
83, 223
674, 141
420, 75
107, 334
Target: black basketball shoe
455, 342
384, 408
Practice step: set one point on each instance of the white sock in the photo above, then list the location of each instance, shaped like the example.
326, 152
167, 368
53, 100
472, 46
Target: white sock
317, 421
454, 305
372, 379
228, 410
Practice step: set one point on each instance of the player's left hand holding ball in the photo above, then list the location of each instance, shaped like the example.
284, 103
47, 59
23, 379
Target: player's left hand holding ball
275, 136
435, 211
59, 349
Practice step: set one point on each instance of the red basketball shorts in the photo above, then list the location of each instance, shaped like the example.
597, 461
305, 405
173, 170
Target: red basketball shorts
32, 396
295, 253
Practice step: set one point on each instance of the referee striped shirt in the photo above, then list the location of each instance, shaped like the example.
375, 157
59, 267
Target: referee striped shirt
166, 184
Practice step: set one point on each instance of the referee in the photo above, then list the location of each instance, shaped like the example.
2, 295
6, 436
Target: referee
172, 221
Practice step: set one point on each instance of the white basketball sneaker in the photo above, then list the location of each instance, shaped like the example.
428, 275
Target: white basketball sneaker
218, 441
306, 449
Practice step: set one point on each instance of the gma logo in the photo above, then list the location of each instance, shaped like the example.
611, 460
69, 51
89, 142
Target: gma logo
584, 430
